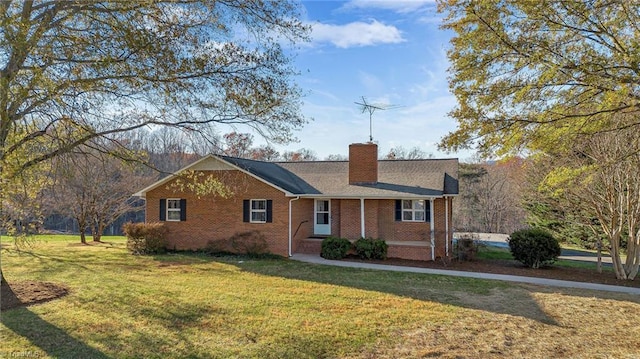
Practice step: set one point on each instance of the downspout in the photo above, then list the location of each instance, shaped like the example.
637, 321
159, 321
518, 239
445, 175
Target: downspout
446, 225
433, 232
362, 231
290, 235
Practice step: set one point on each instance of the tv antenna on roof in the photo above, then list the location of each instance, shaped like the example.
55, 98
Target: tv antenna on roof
371, 108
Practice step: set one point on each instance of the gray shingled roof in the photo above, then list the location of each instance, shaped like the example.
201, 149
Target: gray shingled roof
397, 178
274, 174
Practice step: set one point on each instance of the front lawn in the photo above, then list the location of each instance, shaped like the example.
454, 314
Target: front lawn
190, 305
491, 253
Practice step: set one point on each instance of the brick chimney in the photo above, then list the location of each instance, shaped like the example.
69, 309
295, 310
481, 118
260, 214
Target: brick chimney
363, 163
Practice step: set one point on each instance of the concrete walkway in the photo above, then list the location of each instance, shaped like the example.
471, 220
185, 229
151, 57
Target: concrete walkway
309, 258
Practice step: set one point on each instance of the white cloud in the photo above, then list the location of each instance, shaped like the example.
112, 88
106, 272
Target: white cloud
402, 7
357, 34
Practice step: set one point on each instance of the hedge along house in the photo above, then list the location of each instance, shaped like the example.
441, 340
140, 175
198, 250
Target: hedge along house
407, 203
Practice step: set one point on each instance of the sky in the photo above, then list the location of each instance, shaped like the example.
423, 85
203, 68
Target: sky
393, 54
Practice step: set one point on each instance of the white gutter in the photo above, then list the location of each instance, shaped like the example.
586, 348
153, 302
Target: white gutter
433, 233
335, 196
290, 234
362, 231
446, 225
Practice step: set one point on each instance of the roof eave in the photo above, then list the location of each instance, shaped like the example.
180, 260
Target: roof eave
142, 193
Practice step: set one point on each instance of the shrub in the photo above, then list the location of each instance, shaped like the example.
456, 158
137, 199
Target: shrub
252, 243
534, 247
335, 248
466, 247
369, 248
218, 247
146, 238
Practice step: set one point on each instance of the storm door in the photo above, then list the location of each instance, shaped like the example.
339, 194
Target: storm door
322, 215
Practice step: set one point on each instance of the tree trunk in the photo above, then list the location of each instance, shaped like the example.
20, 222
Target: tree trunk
618, 267
599, 265
96, 236
82, 226
96, 231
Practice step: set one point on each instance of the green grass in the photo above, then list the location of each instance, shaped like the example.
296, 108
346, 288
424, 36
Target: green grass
195, 306
497, 253
490, 252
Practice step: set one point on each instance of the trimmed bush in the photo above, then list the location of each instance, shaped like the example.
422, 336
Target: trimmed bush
335, 248
146, 238
252, 243
369, 248
534, 247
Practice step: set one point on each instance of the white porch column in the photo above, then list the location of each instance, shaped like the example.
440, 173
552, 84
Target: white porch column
362, 217
290, 235
433, 232
446, 225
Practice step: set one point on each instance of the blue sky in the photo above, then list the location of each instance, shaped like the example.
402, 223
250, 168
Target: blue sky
390, 52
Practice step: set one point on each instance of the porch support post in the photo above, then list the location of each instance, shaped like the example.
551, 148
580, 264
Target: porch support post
362, 231
446, 225
433, 232
290, 217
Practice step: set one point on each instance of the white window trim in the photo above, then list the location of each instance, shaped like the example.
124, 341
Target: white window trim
179, 210
251, 211
413, 211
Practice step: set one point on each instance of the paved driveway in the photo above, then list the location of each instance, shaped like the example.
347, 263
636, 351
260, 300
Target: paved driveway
500, 240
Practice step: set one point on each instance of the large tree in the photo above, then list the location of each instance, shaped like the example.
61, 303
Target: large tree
94, 188
544, 77
530, 75
600, 177
72, 71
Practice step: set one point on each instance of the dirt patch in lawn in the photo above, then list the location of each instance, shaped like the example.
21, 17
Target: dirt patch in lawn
512, 267
24, 293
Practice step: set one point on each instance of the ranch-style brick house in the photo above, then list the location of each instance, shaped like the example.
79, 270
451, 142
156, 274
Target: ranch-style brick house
407, 203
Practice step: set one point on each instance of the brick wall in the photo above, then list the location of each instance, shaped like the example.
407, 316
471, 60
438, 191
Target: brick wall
416, 253
349, 218
336, 217
301, 221
363, 163
215, 218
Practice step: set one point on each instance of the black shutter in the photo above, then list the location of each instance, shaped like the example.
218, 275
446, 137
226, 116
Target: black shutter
163, 209
427, 211
245, 210
269, 211
398, 210
183, 209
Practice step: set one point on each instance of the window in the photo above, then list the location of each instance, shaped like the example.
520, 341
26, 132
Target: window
173, 209
258, 211
414, 211
322, 212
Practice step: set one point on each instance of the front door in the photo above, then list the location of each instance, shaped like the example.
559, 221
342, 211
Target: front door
322, 214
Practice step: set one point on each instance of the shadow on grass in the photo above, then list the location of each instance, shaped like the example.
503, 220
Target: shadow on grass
494, 296
47, 337
488, 295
